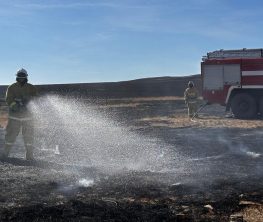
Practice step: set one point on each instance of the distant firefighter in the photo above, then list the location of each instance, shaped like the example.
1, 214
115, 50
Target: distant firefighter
191, 99
18, 95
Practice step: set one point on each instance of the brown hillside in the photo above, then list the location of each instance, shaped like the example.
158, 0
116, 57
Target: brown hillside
160, 86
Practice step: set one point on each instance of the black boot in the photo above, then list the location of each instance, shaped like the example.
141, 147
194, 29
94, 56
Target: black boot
6, 151
29, 153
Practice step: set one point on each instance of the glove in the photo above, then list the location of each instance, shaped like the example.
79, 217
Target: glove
25, 102
20, 102
14, 106
18, 105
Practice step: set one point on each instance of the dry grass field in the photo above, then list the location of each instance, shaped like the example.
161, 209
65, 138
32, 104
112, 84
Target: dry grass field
221, 176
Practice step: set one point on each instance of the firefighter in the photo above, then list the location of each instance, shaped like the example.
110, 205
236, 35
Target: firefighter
18, 95
191, 99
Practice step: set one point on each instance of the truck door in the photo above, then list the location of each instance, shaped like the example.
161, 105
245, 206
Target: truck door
232, 74
213, 77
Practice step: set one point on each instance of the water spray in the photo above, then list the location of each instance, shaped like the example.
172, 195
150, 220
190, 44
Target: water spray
83, 135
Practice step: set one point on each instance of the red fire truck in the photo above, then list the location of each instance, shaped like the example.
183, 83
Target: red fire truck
234, 78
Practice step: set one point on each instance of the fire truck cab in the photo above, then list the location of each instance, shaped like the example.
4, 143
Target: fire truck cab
234, 78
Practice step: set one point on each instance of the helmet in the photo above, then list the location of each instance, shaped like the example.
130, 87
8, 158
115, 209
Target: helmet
21, 73
190, 84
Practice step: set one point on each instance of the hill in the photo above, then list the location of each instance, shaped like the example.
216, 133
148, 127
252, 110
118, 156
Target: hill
159, 86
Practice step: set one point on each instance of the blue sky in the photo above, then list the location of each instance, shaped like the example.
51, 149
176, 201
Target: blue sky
73, 41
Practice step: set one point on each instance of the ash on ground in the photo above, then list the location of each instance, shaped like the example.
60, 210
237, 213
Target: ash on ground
209, 169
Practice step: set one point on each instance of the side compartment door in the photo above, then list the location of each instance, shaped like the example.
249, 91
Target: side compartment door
232, 74
213, 77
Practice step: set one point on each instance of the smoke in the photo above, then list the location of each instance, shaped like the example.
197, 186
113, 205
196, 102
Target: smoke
218, 153
238, 146
86, 182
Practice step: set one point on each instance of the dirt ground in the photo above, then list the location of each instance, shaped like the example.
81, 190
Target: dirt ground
219, 177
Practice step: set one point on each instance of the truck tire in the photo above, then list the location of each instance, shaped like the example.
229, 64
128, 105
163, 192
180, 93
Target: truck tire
244, 106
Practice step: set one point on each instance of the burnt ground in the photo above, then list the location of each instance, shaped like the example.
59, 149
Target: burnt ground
220, 173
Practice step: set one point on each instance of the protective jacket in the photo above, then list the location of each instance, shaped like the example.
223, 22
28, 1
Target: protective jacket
17, 98
191, 95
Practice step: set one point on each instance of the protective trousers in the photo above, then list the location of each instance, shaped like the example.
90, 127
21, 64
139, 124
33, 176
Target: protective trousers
12, 130
192, 108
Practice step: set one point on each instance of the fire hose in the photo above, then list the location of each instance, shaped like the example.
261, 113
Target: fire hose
200, 108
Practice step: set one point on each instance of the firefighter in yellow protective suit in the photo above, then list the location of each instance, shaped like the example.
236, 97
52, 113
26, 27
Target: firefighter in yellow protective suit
191, 99
18, 95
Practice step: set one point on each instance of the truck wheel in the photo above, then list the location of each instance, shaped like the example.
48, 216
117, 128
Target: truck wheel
244, 106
